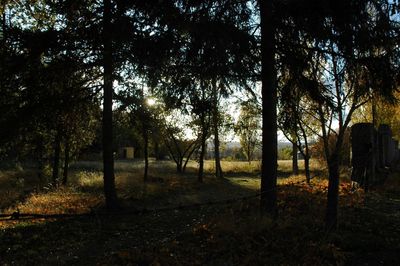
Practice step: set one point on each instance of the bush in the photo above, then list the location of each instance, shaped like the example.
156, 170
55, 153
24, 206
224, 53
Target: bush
285, 153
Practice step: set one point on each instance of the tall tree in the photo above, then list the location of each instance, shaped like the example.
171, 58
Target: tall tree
212, 61
248, 128
341, 46
108, 68
269, 105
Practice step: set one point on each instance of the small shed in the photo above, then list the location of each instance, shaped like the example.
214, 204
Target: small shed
126, 153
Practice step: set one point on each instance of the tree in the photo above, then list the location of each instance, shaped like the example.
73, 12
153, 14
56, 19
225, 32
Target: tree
248, 127
108, 73
295, 120
143, 117
379, 111
48, 85
269, 104
206, 63
341, 71
180, 147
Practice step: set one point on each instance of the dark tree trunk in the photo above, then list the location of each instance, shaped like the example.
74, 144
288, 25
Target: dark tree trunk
56, 157
108, 158
191, 151
307, 168
202, 149
146, 153
3, 28
269, 104
179, 167
66, 161
40, 160
295, 163
201, 160
157, 149
333, 191
218, 168
333, 160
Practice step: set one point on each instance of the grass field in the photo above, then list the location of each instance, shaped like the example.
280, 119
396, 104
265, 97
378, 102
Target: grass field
18, 188
164, 223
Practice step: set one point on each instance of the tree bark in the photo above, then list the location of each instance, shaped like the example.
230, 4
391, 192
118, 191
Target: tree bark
218, 168
157, 150
56, 157
3, 28
295, 162
333, 192
202, 149
307, 168
108, 157
40, 160
146, 152
66, 161
179, 167
191, 151
269, 104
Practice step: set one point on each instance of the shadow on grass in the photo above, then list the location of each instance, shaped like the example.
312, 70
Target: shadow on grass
366, 234
207, 234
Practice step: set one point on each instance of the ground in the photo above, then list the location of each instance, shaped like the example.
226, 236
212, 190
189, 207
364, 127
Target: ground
174, 220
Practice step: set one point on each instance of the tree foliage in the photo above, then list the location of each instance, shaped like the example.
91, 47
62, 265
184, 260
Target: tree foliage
248, 128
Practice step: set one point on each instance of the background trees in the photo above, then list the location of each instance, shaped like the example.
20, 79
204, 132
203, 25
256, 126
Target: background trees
335, 64
248, 128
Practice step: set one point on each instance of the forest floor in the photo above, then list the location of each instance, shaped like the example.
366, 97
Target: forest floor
174, 220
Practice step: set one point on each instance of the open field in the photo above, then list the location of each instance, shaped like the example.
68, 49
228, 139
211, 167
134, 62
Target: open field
87, 178
164, 223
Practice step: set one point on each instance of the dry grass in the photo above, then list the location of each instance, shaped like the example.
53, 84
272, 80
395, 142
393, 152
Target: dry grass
60, 201
205, 234
231, 167
85, 190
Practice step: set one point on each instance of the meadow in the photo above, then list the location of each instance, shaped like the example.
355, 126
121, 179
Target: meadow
174, 220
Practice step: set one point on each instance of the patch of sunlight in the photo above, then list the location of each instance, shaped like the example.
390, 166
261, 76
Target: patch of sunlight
249, 183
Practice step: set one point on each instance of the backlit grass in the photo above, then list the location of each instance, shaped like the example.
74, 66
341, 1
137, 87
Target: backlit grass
165, 187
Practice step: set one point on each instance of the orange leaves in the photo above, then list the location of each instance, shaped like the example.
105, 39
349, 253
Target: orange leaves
60, 201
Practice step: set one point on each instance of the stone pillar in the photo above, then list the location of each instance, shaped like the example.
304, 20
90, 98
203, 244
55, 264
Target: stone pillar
391, 152
396, 151
363, 153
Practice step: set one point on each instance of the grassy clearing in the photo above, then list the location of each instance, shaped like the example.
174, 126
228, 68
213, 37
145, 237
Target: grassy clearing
21, 191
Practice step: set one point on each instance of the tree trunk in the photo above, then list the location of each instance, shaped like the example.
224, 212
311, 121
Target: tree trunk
218, 168
333, 191
157, 149
269, 104
202, 150
146, 153
201, 160
66, 161
179, 167
56, 157
3, 28
295, 163
194, 148
108, 158
307, 168
39, 158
